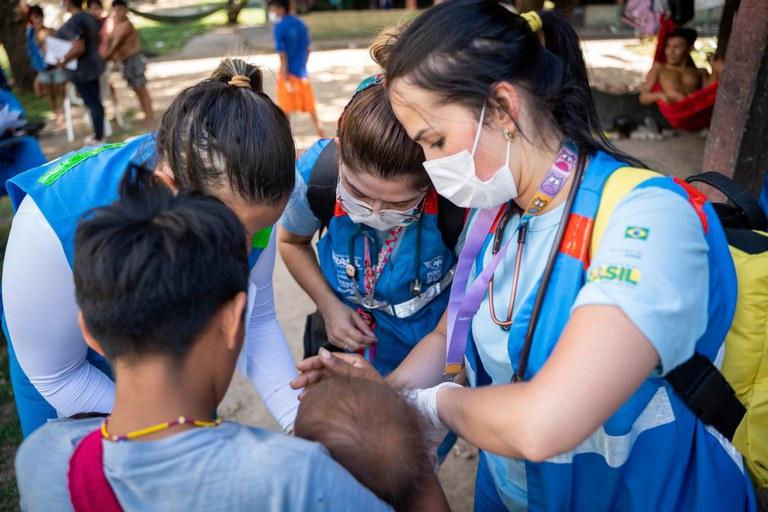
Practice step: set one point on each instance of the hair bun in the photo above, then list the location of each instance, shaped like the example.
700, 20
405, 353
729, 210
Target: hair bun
238, 73
382, 44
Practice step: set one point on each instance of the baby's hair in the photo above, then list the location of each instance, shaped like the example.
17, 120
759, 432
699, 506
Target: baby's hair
370, 430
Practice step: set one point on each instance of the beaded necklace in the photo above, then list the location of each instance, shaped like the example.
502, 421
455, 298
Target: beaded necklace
181, 420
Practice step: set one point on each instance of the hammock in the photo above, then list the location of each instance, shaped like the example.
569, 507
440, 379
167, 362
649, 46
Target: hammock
196, 13
694, 112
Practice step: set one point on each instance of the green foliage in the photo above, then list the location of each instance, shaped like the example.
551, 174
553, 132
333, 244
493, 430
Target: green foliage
339, 25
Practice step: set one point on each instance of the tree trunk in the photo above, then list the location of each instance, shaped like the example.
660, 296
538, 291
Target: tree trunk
13, 38
233, 10
736, 142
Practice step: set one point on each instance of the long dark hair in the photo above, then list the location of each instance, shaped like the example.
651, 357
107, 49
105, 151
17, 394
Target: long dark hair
461, 49
227, 133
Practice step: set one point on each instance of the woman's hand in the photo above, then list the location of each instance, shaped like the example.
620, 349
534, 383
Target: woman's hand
344, 327
314, 369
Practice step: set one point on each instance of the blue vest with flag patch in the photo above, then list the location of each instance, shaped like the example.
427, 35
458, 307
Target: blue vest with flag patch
396, 336
653, 453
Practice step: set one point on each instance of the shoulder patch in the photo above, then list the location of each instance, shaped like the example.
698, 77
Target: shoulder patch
260, 239
63, 167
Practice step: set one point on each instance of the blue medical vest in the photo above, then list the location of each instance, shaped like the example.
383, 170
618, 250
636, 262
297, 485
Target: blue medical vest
653, 453
64, 190
396, 336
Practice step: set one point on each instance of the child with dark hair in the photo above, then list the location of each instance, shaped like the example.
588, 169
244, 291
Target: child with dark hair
223, 137
373, 432
160, 279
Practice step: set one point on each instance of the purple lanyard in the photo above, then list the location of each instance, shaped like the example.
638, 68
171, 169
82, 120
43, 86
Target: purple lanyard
463, 303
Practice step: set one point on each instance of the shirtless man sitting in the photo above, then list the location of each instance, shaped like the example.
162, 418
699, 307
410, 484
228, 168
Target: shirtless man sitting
679, 76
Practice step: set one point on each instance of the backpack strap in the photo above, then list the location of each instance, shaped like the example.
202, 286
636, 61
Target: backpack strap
450, 221
89, 489
738, 195
698, 382
321, 188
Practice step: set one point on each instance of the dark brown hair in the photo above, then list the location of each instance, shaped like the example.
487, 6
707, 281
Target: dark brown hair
370, 430
219, 133
371, 138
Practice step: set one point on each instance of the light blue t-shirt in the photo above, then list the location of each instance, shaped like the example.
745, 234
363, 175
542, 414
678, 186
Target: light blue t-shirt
229, 467
657, 237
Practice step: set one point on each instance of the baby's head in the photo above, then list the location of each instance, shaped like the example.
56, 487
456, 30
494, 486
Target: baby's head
370, 430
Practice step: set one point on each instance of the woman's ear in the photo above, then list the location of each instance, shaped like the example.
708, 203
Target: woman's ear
505, 107
233, 321
89, 339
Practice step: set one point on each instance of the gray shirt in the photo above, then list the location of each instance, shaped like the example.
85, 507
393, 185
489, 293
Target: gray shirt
229, 467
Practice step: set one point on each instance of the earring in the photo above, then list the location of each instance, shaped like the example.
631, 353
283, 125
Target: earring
509, 134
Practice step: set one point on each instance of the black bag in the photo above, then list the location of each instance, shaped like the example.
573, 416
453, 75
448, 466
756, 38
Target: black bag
315, 336
321, 195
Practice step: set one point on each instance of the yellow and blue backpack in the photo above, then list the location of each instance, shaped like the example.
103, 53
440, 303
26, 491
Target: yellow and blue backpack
745, 362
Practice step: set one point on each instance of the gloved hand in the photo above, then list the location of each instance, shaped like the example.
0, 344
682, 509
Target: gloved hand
425, 401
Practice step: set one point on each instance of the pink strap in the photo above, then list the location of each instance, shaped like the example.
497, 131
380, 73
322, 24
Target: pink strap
89, 489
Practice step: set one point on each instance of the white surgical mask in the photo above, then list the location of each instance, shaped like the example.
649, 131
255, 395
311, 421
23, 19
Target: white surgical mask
273, 17
455, 178
361, 213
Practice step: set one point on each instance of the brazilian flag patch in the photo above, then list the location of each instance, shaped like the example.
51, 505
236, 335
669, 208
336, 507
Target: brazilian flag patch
637, 233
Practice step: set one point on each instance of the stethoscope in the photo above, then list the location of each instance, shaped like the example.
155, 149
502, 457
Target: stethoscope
353, 271
546, 276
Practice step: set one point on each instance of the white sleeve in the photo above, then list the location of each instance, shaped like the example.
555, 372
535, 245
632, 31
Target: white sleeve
268, 360
41, 314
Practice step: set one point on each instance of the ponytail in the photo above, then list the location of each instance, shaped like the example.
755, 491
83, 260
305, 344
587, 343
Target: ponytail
225, 133
496, 45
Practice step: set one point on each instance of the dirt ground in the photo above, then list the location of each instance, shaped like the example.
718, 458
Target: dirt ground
335, 74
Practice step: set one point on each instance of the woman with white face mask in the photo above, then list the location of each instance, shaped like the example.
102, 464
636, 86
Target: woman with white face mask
382, 272
583, 284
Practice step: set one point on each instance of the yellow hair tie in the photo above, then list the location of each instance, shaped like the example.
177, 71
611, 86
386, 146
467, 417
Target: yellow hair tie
240, 81
534, 20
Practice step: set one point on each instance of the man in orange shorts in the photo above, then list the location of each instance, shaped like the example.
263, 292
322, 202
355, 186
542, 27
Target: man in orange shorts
294, 92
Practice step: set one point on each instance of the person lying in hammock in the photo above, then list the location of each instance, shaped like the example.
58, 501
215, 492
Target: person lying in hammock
679, 77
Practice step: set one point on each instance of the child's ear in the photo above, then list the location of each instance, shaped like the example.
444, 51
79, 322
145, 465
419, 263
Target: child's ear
233, 321
166, 177
89, 339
